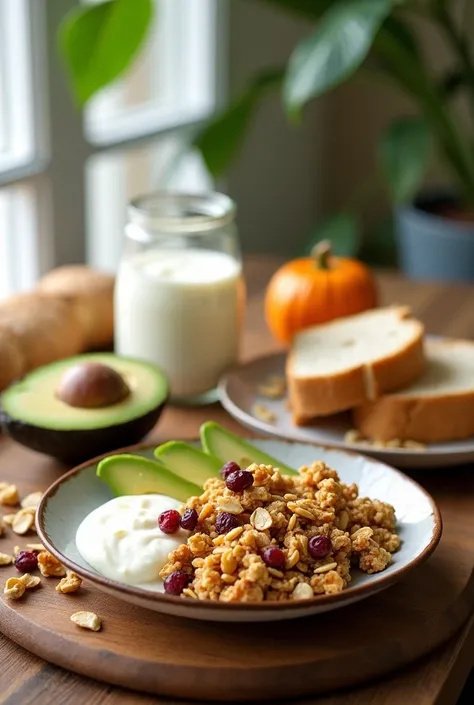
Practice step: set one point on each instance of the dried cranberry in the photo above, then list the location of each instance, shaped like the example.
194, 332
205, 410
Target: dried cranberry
189, 520
225, 522
319, 546
169, 520
239, 480
26, 562
273, 557
228, 468
176, 581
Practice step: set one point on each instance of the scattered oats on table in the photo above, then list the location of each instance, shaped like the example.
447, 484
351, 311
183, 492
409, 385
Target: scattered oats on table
32, 500
24, 521
355, 437
14, 589
30, 581
87, 620
35, 547
296, 536
6, 559
272, 388
9, 496
262, 412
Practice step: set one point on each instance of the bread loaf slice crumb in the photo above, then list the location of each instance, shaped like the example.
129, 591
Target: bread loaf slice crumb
438, 407
345, 363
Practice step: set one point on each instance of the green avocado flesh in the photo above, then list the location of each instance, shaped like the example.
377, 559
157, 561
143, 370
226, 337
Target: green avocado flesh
133, 475
188, 462
33, 400
226, 446
180, 469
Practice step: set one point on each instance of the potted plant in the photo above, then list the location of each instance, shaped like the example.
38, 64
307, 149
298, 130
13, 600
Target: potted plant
435, 230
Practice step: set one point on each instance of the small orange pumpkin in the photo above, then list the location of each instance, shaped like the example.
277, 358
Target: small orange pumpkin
317, 289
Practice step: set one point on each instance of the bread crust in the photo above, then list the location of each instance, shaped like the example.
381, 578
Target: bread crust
426, 418
12, 360
423, 419
329, 394
45, 328
93, 293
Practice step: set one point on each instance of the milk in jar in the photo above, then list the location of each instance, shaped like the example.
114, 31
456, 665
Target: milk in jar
179, 299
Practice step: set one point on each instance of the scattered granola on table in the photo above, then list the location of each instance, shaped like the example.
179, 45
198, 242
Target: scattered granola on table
14, 589
273, 388
49, 566
87, 620
262, 412
266, 536
9, 496
71, 583
6, 559
355, 437
24, 521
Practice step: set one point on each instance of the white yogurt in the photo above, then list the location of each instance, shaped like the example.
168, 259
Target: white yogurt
121, 539
180, 309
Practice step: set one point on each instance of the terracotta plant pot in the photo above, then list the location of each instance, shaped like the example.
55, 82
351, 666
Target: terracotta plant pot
435, 238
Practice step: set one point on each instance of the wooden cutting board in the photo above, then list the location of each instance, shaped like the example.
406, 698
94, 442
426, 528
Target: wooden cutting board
146, 651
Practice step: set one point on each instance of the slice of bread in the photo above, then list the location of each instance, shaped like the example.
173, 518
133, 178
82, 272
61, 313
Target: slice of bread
342, 364
438, 407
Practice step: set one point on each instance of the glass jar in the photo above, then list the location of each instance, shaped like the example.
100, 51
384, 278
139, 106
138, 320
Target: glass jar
179, 294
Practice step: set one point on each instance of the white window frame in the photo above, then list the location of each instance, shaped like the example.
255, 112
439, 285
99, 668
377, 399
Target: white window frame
24, 123
53, 144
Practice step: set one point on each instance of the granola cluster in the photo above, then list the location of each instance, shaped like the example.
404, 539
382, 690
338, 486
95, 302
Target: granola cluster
286, 512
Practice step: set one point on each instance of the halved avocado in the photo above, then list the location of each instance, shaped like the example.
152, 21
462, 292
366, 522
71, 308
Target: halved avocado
227, 446
131, 475
188, 462
59, 411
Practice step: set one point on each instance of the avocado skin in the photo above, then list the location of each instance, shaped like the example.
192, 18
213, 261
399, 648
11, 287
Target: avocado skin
77, 446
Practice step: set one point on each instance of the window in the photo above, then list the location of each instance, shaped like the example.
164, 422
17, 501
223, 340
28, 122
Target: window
65, 179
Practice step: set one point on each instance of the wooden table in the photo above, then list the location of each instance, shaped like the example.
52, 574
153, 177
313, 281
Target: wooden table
436, 680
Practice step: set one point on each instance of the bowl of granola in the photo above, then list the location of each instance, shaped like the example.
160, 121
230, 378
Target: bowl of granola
254, 541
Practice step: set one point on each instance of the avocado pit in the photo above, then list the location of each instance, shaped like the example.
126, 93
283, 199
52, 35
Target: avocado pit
91, 385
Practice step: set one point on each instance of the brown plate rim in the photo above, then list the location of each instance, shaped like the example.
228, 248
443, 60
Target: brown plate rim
296, 605
260, 427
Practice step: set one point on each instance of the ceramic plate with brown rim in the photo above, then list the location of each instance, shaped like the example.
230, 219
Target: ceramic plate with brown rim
68, 501
243, 395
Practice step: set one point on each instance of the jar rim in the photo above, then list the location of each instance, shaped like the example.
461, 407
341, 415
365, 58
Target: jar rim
208, 211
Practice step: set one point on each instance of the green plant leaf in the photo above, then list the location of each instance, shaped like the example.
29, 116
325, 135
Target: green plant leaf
452, 82
334, 51
403, 34
413, 79
98, 42
342, 231
404, 154
379, 248
220, 140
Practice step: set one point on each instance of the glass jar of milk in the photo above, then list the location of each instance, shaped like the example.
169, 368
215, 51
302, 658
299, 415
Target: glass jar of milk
179, 294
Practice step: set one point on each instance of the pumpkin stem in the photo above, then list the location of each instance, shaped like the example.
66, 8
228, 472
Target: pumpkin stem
321, 253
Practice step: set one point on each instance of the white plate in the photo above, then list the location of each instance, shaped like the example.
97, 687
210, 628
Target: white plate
76, 494
239, 392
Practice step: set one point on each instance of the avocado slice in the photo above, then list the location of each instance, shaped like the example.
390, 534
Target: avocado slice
33, 415
131, 475
220, 442
188, 462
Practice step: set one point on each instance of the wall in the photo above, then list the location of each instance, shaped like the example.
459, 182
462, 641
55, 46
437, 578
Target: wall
285, 178
276, 180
